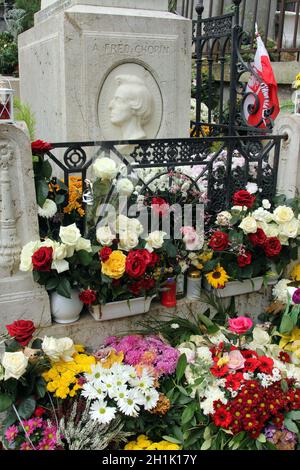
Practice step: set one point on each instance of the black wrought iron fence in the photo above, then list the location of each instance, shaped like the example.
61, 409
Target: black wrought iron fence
278, 21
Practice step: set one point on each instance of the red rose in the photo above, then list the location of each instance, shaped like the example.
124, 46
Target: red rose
148, 284
39, 146
39, 411
42, 259
243, 198
272, 247
259, 238
147, 256
88, 296
160, 206
244, 260
104, 253
136, 287
219, 241
22, 331
155, 259
135, 264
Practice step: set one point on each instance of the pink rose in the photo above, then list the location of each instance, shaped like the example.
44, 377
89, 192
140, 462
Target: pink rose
236, 360
187, 230
240, 325
191, 238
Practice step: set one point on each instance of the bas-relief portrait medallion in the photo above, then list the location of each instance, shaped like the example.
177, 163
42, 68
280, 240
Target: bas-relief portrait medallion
130, 104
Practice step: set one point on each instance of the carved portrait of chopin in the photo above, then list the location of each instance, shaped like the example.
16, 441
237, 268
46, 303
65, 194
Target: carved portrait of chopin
131, 107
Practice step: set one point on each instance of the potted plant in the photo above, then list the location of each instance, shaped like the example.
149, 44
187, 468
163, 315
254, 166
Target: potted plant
250, 242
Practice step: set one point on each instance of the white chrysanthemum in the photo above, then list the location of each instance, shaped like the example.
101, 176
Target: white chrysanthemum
48, 210
125, 187
151, 397
175, 326
97, 374
90, 392
144, 382
102, 413
105, 168
280, 290
120, 393
109, 384
130, 405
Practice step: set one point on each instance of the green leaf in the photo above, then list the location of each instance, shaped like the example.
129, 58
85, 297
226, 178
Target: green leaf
262, 438
60, 199
181, 366
206, 444
206, 434
5, 402
291, 426
187, 414
26, 408
37, 343
294, 415
210, 265
170, 248
46, 169
286, 325
183, 390
40, 386
84, 257
284, 385
171, 439
12, 345
64, 288
52, 283
42, 190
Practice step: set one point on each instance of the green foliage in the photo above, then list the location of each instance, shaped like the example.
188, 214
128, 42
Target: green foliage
23, 112
8, 54
30, 7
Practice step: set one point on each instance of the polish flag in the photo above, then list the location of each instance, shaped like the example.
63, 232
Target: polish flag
265, 89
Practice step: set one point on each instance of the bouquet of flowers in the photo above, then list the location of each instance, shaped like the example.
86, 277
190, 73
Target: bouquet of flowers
251, 239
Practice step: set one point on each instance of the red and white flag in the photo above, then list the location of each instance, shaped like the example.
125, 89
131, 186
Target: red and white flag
266, 90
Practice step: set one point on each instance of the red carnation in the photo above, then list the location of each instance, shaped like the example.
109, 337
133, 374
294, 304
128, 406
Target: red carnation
243, 198
42, 259
39, 146
135, 264
22, 331
88, 296
244, 260
219, 241
266, 364
272, 247
258, 238
39, 411
105, 253
222, 417
160, 206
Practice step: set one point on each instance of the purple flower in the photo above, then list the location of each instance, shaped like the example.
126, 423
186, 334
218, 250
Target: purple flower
296, 297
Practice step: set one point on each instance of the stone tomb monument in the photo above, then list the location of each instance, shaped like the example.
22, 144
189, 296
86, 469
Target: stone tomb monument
91, 70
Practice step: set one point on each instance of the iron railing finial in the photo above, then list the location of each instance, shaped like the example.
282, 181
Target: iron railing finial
199, 7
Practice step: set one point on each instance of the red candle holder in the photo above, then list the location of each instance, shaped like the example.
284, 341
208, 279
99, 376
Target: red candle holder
168, 295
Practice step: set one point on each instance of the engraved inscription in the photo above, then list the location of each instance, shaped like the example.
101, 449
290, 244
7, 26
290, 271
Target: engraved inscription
138, 49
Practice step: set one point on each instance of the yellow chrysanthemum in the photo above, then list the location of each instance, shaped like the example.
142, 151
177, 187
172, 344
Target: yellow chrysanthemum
75, 196
217, 278
295, 274
144, 443
114, 267
112, 358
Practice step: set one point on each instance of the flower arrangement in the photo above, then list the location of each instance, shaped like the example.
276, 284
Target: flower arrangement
144, 443
296, 82
251, 239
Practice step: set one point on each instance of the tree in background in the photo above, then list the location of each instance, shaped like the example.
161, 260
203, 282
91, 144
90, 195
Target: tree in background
30, 7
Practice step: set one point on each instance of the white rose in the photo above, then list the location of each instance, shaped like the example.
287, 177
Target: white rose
105, 236
155, 240
128, 241
105, 168
59, 251
248, 225
262, 215
122, 223
61, 349
260, 336
83, 244
283, 214
266, 204
135, 225
224, 218
69, 234
26, 255
252, 188
289, 229
239, 208
125, 187
283, 239
271, 230
61, 265
15, 364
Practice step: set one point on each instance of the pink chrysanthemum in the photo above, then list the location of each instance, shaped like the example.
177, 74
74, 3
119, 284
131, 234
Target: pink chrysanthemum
11, 433
25, 446
28, 426
49, 434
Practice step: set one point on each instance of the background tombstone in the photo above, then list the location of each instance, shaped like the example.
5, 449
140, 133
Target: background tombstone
20, 296
71, 60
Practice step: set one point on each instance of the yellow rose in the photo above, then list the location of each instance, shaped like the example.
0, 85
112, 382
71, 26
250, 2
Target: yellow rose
114, 267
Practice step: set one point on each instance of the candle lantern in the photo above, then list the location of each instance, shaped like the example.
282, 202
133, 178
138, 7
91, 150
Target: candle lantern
168, 295
6, 101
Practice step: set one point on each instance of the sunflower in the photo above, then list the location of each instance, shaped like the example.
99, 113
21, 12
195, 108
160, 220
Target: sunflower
295, 274
217, 278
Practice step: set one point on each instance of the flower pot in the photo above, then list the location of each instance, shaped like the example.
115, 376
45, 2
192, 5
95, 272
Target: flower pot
120, 309
234, 288
65, 310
